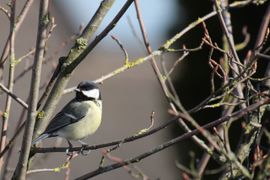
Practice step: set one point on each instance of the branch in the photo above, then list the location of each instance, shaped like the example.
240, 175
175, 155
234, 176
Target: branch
164, 48
235, 4
16, 98
250, 132
78, 47
234, 116
161, 80
76, 56
99, 37
123, 141
20, 171
19, 21
11, 55
260, 39
5, 11
226, 31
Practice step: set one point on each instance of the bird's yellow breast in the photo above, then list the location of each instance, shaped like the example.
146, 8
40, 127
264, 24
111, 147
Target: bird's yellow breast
85, 126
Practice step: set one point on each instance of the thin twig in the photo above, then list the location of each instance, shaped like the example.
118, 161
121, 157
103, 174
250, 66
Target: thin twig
40, 170
129, 170
127, 66
14, 96
227, 32
143, 131
65, 165
10, 146
5, 11
122, 48
19, 21
185, 54
265, 56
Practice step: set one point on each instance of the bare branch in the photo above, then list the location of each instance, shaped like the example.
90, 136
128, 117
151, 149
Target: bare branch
11, 55
19, 21
76, 56
5, 11
20, 172
125, 140
122, 48
16, 98
234, 116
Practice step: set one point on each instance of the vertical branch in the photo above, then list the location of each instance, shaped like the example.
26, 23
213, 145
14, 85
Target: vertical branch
20, 171
251, 131
18, 22
10, 79
61, 79
161, 80
223, 129
228, 34
11, 148
262, 32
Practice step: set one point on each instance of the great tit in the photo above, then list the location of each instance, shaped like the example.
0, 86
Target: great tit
79, 118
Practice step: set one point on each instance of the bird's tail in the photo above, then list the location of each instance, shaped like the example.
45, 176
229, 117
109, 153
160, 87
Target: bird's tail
40, 138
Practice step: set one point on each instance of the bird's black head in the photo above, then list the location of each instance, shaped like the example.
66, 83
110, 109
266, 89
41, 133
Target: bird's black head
88, 90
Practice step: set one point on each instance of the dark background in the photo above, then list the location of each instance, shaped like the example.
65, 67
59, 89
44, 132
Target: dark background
193, 84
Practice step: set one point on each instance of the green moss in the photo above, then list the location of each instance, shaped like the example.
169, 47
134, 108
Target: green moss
41, 114
81, 43
45, 19
5, 114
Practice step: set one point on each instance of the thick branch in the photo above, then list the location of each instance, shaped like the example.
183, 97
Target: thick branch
79, 45
69, 65
20, 172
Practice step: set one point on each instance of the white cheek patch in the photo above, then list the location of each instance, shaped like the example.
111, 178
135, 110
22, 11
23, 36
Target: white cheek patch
94, 93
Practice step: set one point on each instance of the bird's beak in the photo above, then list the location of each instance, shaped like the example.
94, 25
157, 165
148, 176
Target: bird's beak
77, 90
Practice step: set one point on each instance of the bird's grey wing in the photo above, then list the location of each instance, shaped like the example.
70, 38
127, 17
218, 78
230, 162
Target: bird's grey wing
70, 114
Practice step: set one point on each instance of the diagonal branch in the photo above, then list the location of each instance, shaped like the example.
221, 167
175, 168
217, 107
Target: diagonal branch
75, 57
234, 116
16, 98
79, 45
125, 140
161, 80
19, 21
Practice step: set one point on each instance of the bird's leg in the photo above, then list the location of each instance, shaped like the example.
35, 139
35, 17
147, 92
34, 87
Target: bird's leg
69, 148
82, 150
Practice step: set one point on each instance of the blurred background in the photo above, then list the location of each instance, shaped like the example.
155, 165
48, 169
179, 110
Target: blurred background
129, 98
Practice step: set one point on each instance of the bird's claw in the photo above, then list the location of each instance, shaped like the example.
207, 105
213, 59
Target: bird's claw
84, 151
68, 153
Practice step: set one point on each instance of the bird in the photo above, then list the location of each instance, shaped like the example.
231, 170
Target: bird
79, 118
